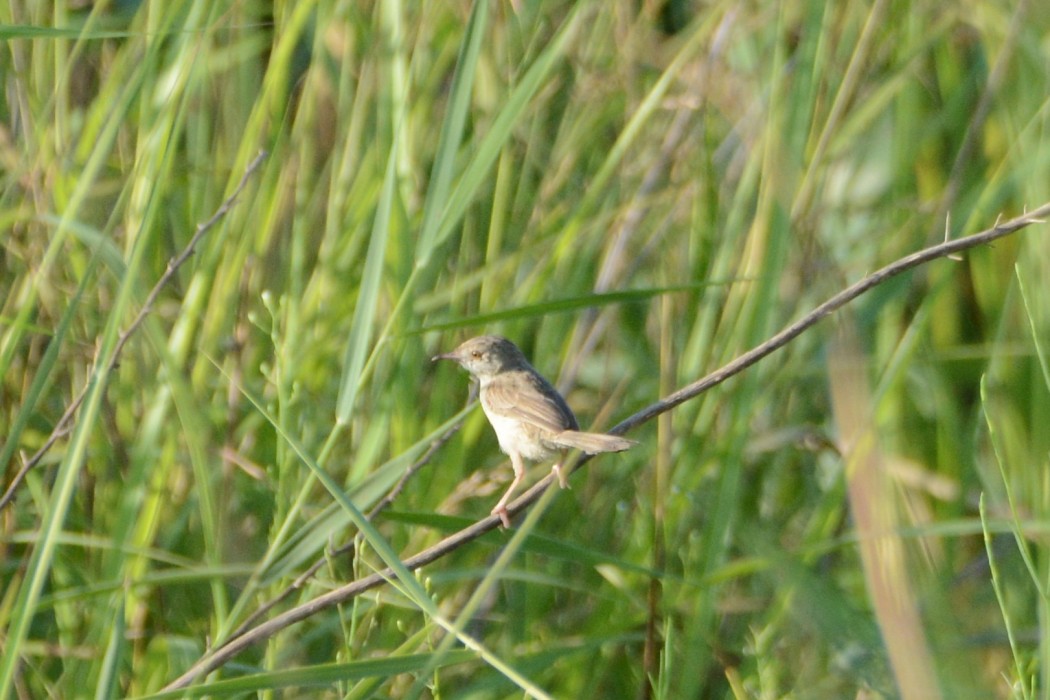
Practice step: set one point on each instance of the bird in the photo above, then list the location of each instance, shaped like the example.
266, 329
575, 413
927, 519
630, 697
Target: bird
530, 418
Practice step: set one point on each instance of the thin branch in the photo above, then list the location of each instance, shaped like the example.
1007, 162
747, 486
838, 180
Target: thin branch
220, 655
349, 547
836, 302
65, 423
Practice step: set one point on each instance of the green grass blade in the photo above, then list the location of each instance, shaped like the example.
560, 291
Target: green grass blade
359, 342
451, 133
314, 676
517, 104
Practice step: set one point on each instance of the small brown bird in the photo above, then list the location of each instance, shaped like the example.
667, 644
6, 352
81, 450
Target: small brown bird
531, 419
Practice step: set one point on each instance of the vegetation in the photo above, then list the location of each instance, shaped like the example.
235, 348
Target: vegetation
636, 193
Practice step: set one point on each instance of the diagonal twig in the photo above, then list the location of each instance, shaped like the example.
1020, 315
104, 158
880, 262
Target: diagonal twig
349, 547
1001, 229
65, 423
223, 653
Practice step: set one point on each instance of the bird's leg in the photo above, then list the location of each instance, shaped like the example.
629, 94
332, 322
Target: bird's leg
519, 474
563, 478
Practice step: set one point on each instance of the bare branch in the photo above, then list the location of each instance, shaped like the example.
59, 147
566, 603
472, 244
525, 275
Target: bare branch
349, 547
836, 302
223, 653
65, 423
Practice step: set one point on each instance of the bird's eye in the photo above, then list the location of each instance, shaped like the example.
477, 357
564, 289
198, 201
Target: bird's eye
476, 354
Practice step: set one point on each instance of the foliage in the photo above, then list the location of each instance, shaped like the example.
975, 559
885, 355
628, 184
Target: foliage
635, 193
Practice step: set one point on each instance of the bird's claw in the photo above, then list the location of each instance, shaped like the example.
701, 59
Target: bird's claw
563, 478
504, 516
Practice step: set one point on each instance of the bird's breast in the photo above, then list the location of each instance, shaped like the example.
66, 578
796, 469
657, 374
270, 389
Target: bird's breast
516, 436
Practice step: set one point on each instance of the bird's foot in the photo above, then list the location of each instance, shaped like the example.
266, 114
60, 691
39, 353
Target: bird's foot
504, 516
563, 478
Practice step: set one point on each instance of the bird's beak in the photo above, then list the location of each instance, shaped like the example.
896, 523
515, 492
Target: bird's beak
443, 356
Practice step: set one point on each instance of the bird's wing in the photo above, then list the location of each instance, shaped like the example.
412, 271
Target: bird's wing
519, 395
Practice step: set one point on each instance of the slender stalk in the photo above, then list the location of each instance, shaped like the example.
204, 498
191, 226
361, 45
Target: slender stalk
65, 423
218, 656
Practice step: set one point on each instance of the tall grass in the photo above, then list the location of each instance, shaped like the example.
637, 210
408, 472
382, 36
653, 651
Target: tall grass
635, 193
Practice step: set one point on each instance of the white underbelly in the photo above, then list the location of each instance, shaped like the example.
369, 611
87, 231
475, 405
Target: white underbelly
512, 438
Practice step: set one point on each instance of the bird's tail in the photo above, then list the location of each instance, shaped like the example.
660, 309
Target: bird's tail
592, 443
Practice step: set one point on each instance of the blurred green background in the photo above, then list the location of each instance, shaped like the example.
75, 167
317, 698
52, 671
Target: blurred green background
635, 192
